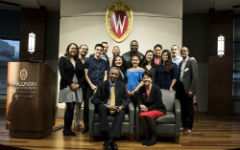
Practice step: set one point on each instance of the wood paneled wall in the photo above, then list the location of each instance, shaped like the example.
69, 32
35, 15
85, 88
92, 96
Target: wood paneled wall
33, 20
220, 69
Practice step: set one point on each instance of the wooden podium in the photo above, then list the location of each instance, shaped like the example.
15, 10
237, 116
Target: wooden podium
31, 99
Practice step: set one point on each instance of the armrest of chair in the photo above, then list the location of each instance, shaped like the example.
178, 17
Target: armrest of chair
131, 117
178, 116
91, 117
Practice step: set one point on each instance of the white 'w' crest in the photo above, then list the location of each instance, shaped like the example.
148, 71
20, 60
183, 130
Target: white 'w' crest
118, 22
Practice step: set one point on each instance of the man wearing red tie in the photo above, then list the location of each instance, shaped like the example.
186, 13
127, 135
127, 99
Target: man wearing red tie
111, 98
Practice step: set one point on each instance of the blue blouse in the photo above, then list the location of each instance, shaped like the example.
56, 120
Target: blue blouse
134, 77
164, 78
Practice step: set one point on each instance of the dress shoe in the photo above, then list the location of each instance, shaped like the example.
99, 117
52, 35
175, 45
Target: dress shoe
187, 131
107, 146
85, 130
77, 129
114, 146
69, 133
181, 129
152, 141
144, 142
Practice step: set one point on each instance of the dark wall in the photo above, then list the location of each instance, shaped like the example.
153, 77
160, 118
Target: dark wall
52, 39
220, 68
10, 29
10, 25
33, 20
195, 35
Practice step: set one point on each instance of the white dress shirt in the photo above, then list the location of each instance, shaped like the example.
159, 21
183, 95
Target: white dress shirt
183, 67
177, 60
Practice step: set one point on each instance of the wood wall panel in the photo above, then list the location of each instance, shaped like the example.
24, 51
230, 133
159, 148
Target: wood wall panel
220, 69
33, 20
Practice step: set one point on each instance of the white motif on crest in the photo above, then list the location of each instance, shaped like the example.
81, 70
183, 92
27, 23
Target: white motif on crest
118, 22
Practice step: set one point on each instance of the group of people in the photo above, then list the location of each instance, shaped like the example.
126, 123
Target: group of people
114, 82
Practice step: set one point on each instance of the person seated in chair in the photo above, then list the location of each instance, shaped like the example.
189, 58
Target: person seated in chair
112, 99
151, 107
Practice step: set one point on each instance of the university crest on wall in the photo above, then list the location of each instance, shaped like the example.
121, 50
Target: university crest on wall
119, 20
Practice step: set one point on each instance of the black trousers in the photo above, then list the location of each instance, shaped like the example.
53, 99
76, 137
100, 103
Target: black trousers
134, 99
186, 107
68, 117
89, 93
103, 113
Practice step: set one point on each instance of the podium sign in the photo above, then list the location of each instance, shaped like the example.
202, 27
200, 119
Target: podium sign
31, 96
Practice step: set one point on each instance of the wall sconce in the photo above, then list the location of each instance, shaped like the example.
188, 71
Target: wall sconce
220, 45
31, 42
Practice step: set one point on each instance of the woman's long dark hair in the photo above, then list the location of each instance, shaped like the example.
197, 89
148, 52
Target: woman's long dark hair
67, 55
145, 62
168, 64
113, 63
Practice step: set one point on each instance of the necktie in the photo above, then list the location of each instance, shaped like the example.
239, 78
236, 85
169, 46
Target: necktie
182, 69
112, 98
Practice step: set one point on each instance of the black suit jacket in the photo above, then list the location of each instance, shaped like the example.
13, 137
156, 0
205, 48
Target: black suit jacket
67, 71
128, 59
155, 98
103, 93
190, 76
121, 77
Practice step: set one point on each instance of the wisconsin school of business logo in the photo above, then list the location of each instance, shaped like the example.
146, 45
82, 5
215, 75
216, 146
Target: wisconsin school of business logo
23, 74
119, 20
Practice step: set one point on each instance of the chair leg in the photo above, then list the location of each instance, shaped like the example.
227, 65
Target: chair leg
177, 139
195, 104
197, 113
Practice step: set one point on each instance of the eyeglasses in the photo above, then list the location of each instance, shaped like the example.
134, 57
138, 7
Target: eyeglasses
99, 50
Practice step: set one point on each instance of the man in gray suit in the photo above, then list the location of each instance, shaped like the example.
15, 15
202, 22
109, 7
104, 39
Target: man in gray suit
186, 88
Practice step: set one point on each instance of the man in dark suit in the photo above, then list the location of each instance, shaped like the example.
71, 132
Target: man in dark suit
186, 88
128, 55
111, 98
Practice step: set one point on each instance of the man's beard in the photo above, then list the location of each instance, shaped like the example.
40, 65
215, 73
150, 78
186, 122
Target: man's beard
174, 55
83, 55
134, 51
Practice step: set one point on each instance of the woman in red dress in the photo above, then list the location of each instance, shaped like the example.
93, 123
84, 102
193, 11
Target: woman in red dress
151, 107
